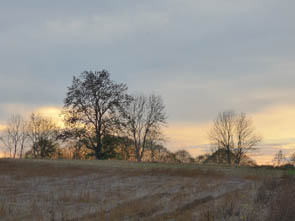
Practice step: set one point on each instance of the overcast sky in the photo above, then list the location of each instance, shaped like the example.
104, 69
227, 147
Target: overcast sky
202, 56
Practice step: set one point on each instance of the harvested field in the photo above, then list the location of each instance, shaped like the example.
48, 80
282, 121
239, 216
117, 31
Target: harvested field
118, 190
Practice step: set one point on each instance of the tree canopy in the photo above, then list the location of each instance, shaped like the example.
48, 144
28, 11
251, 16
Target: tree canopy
92, 106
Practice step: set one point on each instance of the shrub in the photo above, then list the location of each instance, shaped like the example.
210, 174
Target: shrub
287, 167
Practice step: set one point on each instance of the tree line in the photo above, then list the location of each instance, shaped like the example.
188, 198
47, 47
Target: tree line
103, 121
40, 137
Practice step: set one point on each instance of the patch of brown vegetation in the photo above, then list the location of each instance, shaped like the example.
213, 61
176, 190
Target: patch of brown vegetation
282, 205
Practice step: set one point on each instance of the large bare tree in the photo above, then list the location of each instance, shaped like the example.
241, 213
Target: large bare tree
144, 117
235, 134
14, 136
91, 108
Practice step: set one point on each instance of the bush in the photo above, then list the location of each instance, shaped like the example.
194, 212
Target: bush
286, 167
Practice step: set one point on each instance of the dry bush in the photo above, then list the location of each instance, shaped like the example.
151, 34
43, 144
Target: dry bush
223, 209
229, 207
237, 205
3, 209
282, 205
277, 196
207, 213
266, 190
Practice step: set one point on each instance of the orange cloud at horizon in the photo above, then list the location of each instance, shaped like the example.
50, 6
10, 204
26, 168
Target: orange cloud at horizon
3, 154
2, 127
276, 125
54, 113
49, 111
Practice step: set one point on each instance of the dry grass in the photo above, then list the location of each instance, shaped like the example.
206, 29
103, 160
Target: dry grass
118, 190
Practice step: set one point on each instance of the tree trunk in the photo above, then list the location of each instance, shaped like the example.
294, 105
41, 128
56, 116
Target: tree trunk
152, 155
21, 152
98, 148
137, 152
228, 155
98, 152
14, 154
138, 157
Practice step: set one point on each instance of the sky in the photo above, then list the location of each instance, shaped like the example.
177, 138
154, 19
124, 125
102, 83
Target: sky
201, 56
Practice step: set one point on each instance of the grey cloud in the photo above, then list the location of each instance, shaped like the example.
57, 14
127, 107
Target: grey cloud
202, 56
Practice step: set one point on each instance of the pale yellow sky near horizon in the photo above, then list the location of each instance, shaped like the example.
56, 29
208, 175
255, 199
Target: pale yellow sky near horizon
275, 124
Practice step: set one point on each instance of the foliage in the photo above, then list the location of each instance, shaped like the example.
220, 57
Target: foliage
219, 157
44, 148
183, 156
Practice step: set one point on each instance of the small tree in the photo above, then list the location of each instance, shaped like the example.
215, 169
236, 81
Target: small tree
15, 136
183, 156
124, 148
202, 158
44, 148
220, 156
279, 158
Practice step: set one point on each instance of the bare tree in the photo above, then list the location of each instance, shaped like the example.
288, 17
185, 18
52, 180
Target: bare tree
235, 134
42, 132
91, 108
292, 159
144, 116
222, 132
279, 158
7, 142
15, 136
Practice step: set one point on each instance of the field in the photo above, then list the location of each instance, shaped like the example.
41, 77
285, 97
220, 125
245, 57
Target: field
119, 190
